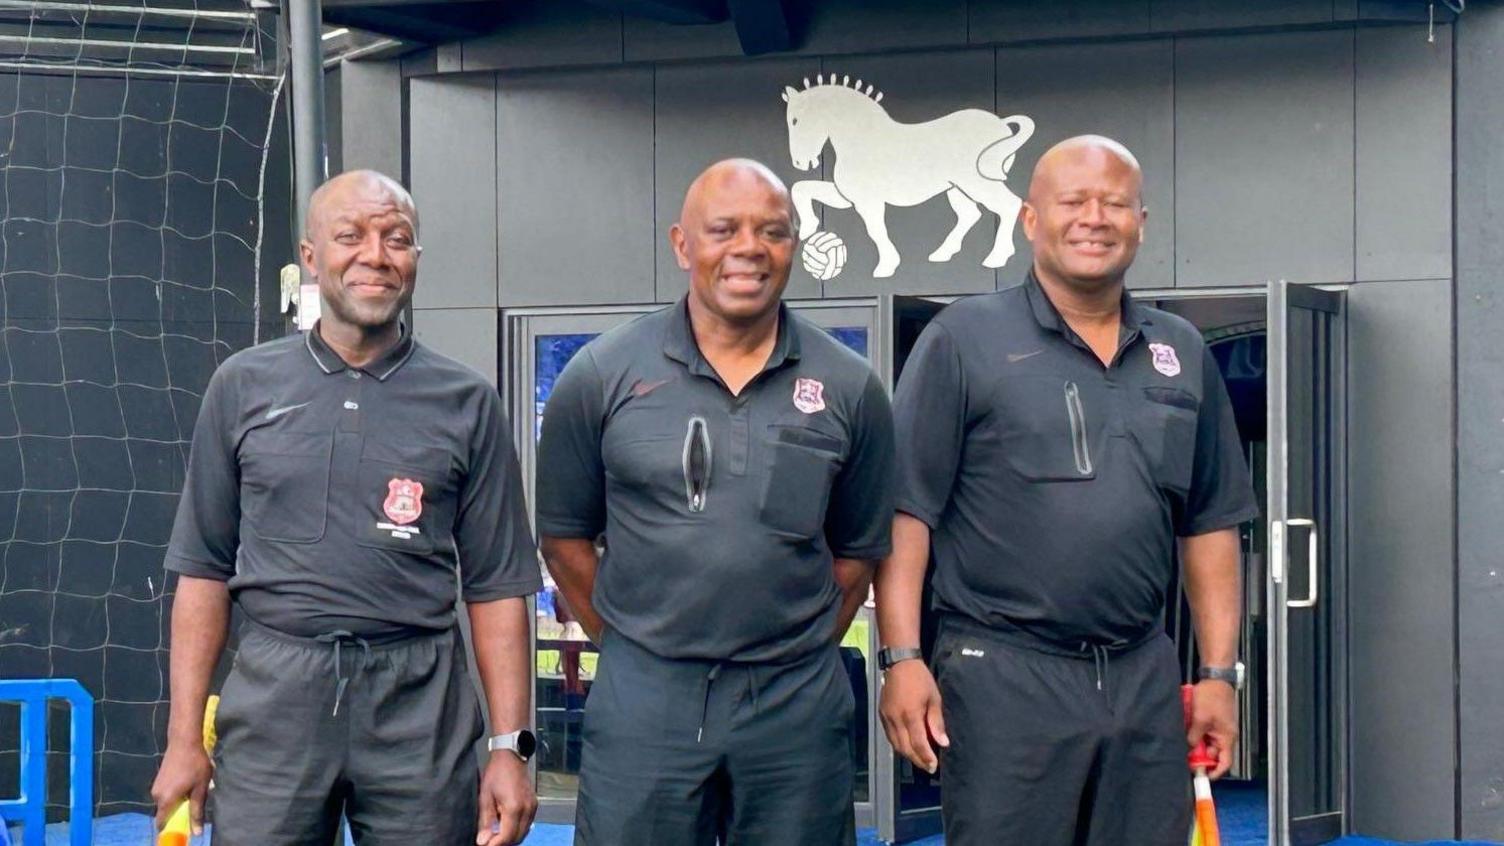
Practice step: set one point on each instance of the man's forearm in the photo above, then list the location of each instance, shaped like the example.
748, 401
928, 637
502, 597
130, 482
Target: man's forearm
900, 582
573, 562
853, 576
200, 624
499, 635
1213, 584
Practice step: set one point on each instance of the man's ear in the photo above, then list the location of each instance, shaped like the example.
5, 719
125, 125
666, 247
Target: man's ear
676, 240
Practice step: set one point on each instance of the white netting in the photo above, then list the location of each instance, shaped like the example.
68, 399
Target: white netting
135, 145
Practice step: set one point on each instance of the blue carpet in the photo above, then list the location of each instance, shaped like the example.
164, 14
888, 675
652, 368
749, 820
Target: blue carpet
1240, 810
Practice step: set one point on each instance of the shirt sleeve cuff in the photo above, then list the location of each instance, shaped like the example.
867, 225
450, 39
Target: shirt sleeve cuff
924, 515
564, 528
198, 569
1211, 523
503, 590
873, 552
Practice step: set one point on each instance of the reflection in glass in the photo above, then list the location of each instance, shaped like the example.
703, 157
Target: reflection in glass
854, 337
566, 659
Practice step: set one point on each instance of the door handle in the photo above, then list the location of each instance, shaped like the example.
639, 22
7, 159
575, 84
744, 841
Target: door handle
1313, 592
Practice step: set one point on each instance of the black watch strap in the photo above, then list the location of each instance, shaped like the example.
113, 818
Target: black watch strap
890, 655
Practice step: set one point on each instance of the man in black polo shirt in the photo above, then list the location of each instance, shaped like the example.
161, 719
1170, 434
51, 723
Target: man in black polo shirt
337, 481
739, 463
1059, 437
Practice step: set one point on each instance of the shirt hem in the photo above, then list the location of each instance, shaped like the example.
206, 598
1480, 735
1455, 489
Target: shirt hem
923, 515
198, 569
506, 590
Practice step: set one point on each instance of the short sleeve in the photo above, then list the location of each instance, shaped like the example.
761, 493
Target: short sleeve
206, 532
1221, 494
859, 520
571, 474
497, 556
929, 418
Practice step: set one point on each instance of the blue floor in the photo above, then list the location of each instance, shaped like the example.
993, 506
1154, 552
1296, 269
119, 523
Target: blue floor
1240, 811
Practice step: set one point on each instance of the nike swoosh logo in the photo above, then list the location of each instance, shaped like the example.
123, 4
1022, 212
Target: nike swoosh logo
278, 412
642, 389
1014, 358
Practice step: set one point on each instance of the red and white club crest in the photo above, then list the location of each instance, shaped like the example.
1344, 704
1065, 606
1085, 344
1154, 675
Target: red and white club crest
809, 395
1165, 360
404, 501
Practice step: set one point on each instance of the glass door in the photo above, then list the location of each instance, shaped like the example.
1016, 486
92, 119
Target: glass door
907, 798
1306, 566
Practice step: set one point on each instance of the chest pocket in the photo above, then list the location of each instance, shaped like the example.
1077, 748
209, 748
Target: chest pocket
284, 484
795, 491
407, 497
1047, 434
1165, 430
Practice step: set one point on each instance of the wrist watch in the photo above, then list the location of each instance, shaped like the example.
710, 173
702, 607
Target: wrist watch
521, 743
1232, 675
888, 655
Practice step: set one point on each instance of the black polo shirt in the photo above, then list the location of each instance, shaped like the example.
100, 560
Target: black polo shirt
721, 513
336, 498
1054, 486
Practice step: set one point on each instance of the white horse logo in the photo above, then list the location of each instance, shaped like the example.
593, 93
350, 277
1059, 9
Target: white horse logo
881, 162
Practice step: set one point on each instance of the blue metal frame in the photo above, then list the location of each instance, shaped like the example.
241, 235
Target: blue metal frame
31, 808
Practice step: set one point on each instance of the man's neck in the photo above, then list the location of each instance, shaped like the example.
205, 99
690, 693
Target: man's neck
358, 346
737, 351
1098, 307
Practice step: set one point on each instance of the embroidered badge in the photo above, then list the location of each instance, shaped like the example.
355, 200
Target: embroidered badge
404, 501
1165, 360
809, 395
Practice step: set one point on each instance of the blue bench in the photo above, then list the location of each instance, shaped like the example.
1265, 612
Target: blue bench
31, 808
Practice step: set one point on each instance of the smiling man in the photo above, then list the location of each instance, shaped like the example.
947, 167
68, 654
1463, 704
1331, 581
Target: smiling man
337, 481
738, 463
1059, 437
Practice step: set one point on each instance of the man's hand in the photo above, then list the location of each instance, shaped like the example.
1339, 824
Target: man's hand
184, 774
1214, 718
910, 709
507, 803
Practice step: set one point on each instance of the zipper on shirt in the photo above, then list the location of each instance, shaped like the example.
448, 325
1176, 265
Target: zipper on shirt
697, 463
1079, 444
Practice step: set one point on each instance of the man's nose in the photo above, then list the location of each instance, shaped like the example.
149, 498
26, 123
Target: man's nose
373, 252
1093, 213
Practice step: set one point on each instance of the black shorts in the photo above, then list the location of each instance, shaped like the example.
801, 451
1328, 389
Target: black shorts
396, 758
1040, 753
687, 752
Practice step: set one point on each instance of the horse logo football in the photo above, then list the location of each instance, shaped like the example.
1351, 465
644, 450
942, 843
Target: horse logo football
404, 501
964, 155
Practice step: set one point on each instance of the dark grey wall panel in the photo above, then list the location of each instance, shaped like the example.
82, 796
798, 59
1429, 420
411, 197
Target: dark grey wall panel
547, 33
1098, 97
1012, 20
1400, 579
453, 136
1182, 15
1264, 154
575, 160
1480, 419
334, 147
1404, 153
371, 101
866, 26
745, 117
645, 40
917, 87
468, 335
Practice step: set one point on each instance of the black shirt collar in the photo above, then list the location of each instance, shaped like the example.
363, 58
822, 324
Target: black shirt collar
1134, 316
379, 368
679, 342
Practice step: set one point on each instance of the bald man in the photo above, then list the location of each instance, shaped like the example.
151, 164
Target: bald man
737, 464
1096, 432
337, 482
